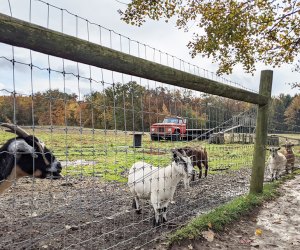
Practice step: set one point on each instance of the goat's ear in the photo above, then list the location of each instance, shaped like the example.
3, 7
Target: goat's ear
177, 150
175, 155
183, 153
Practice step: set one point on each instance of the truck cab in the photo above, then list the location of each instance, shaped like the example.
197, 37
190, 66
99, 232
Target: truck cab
171, 128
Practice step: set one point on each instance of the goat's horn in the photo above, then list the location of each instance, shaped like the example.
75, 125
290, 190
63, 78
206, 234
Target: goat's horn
175, 151
43, 153
14, 129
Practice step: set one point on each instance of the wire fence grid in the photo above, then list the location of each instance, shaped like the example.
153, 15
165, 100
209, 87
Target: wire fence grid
88, 117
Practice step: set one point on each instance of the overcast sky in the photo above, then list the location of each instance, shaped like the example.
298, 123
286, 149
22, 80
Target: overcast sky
159, 35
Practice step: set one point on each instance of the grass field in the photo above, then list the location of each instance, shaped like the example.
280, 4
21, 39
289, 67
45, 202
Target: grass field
109, 154
293, 136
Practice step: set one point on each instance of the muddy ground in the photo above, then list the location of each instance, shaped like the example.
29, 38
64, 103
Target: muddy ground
88, 214
274, 226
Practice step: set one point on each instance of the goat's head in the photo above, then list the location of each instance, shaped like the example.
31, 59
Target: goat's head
184, 162
288, 145
273, 151
32, 157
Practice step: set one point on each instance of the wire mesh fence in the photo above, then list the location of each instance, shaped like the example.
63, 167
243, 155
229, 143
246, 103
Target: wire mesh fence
90, 119
92, 136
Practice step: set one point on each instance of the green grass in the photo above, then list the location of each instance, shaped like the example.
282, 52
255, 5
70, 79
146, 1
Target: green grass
293, 136
228, 213
111, 152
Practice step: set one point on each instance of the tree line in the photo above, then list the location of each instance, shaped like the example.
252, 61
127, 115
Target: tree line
132, 107
285, 113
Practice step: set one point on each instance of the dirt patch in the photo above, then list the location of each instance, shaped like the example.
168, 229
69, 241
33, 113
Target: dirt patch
279, 222
77, 163
89, 214
155, 151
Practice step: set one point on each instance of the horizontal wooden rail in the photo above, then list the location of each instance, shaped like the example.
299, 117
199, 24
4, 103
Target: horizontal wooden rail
24, 34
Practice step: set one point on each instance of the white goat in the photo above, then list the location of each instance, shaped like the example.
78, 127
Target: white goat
276, 163
158, 184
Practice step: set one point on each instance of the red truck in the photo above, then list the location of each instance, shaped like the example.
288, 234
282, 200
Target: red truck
175, 128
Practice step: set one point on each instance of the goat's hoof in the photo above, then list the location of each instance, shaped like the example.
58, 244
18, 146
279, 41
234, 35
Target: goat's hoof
155, 223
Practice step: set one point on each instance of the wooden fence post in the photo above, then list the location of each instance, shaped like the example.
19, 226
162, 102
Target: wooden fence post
258, 166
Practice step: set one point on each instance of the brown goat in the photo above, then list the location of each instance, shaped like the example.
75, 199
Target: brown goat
198, 157
290, 156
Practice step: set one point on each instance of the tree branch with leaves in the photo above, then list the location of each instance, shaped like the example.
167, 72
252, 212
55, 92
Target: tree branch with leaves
230, 31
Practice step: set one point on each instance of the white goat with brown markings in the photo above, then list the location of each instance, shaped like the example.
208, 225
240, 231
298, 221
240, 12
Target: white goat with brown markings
276, 163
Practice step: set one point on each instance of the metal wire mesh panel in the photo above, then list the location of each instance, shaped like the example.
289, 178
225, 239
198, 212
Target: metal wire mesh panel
98, 123
93, 137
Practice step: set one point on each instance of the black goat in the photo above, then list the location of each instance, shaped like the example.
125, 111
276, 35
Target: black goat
23, 156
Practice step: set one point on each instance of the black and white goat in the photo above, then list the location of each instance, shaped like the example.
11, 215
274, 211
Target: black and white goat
25, 155
158, 184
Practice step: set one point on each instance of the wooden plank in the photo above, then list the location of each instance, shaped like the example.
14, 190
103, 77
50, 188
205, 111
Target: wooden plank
23, 34
258, 166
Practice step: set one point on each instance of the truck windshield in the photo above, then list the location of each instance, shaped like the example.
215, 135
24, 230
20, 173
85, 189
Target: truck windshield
170, 120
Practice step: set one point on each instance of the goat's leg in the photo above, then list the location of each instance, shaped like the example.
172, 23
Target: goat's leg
136, 205
200, 170
157, 217
186, 182
164, 214
272, 176
276, 174
194, 162
157, 210
206, 168
291, 168
287, 168
193, 178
